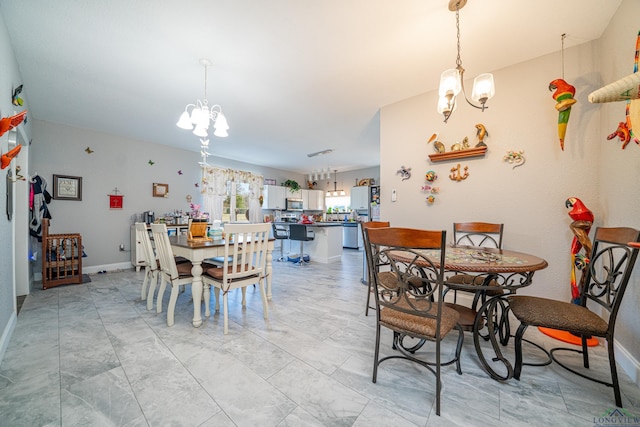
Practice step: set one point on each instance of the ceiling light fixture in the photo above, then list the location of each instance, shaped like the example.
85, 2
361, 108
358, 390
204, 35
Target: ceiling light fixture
320, 153
335, 191
452, 80
201, 114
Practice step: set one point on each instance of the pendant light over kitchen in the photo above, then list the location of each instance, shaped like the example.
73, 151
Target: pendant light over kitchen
335, 191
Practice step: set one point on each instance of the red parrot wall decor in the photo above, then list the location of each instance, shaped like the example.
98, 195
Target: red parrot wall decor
5, 159
563, 95
582, 221
8, 123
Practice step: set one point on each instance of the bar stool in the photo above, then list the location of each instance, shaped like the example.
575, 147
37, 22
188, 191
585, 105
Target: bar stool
281, 233
300, 233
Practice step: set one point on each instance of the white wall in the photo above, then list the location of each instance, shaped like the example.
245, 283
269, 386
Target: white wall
9, 79
529, 200
122, 163
620, 169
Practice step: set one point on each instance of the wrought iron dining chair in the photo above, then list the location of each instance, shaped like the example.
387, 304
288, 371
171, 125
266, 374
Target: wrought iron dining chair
409, 295
602, 287
245, 256
364, 226
176, 274
480, 234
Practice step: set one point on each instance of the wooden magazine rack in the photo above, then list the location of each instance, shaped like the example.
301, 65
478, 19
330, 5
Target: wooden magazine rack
61, 258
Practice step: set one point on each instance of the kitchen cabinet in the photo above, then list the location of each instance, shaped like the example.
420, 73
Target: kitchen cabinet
313, 200
274, 197
360, 198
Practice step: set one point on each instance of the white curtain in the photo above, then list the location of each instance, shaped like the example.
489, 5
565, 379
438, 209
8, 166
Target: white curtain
214, 191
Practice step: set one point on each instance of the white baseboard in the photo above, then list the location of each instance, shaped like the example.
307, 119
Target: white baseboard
627, 362
7, 333
107, 267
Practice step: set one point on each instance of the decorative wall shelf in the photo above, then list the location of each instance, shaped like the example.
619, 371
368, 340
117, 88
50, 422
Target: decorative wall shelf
460, 154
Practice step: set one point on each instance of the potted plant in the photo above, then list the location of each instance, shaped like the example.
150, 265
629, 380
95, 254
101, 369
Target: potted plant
293, 185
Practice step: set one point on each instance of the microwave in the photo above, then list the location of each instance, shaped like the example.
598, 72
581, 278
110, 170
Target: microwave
294, 205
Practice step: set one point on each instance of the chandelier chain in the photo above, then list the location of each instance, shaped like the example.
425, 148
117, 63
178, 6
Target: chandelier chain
458, 60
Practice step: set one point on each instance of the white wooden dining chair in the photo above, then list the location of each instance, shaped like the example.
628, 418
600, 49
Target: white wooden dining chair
245, 256
170, 272
151, 264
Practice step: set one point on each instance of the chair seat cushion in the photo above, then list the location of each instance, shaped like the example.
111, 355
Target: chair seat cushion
217, 273
554, 314
467, 316
417, 325
180, 259
471, 280
184, 268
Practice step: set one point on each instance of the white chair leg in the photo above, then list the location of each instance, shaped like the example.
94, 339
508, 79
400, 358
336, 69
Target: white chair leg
216, 291
263, 294
207, 297
225, 313
163, 286
152, 290
172, 305
145, 283
244, 297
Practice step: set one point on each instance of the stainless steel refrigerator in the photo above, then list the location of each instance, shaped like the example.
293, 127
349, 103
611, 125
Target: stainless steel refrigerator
372, 213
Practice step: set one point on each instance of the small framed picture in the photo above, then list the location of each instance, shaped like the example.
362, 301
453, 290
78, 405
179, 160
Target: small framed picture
269, 182
67, 187
160, 190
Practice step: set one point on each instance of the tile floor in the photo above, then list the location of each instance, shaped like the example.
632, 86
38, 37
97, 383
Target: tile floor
92, 355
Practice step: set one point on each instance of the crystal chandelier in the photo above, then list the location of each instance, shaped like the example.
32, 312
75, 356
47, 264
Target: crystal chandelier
452, 80
201, 114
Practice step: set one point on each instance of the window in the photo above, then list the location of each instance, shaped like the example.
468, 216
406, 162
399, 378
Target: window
235, 207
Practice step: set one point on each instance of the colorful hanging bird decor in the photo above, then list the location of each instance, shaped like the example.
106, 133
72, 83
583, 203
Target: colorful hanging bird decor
8, 123
582, 221
5, 159
15, 98
180, 172
626, 89
88, 150
563, 95
151, 162
623, 133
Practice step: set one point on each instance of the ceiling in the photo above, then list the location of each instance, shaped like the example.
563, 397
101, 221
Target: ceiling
292, 76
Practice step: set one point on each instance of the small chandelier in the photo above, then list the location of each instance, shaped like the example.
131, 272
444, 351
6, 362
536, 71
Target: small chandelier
201, 114
452, 80
335, 191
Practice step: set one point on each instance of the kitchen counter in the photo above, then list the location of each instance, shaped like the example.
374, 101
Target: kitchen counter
326, 247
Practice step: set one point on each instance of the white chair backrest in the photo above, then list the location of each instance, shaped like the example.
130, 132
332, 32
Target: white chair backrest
163, 248
245, 250
142, 236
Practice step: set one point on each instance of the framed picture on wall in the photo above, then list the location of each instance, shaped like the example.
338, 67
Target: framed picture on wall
67, 187
160, 190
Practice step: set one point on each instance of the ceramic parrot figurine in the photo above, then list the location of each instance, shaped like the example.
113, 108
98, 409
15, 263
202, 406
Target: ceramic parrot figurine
5, 159
8, 123
582, 220
563, 95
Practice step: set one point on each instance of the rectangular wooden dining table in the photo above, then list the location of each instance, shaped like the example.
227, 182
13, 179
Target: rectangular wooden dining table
198, 251
494, 269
